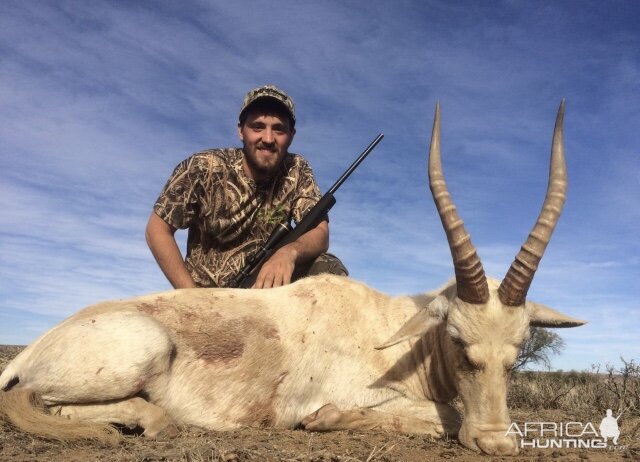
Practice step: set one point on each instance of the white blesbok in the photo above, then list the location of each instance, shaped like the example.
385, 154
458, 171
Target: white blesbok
310, 354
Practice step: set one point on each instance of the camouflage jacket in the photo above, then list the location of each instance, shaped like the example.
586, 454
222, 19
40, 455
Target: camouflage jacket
227, 213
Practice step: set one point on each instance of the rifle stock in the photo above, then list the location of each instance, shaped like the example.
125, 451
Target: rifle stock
285, 234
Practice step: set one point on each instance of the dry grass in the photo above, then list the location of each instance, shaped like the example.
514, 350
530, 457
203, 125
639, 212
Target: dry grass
581, 393
582, 397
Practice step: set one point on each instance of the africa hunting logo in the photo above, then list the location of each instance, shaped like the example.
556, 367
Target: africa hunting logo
568, 435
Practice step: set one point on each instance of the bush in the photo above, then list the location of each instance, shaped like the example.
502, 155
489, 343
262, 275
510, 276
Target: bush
579, 392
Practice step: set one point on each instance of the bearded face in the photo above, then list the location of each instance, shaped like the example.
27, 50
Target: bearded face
266, 138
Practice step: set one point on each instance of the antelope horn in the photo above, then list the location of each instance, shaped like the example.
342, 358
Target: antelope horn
470, 278
514, 287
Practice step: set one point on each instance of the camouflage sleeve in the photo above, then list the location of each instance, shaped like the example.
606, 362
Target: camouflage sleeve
307, 191
178, 202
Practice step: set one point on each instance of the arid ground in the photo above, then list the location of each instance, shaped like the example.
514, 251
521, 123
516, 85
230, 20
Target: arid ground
193, 444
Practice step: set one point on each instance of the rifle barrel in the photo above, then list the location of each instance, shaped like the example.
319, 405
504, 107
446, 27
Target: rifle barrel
357, 162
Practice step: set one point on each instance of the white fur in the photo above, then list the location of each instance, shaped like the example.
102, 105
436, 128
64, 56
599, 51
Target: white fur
224, 358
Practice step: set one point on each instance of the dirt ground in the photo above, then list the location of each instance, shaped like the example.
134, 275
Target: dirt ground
250, 444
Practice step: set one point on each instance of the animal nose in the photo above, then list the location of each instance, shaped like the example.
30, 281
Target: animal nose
497, 444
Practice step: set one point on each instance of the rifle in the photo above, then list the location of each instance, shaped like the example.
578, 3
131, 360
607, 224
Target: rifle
284, 233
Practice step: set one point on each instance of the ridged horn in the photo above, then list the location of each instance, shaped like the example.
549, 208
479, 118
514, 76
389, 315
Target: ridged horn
515, 285
470, 278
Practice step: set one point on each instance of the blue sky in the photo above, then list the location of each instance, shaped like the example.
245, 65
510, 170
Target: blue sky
100, 100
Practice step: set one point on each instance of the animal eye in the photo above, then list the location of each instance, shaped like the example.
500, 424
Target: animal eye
466, 361
511, 366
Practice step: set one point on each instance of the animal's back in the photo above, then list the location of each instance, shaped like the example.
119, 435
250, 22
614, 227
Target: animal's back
220, 358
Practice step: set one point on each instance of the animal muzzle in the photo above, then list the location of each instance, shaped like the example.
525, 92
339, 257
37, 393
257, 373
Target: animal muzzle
491, 441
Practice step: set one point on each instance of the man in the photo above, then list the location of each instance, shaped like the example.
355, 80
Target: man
232, 199
609, 427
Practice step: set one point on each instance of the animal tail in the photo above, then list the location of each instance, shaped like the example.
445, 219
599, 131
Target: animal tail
25, 410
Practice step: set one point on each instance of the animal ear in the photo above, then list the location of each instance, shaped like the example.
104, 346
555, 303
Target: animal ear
420, 323
543, 316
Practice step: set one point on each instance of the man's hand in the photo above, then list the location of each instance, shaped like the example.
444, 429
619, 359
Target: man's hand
277, 271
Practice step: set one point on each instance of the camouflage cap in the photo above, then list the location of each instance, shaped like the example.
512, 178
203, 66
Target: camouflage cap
269, 91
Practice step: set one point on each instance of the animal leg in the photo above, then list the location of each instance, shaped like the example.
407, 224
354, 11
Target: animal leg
130, 412
329, 417
101, 358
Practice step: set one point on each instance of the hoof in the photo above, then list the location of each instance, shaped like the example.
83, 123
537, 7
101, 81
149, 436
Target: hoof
168, 432
323, 419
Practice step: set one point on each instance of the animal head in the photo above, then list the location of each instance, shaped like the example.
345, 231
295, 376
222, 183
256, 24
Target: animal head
484, 322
